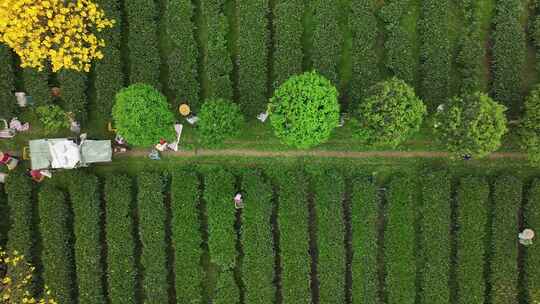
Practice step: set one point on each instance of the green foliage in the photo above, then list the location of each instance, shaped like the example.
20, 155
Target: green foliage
57, 253
530, 127
36, 85
390, 114
258, 262
327, 39
121, 272
288, 31
53, 118
436, 223
85, 201
142, 42
365, 70
472, 216
532, 219
19, 198
253, 55
151, 209
109, 77
8, 103
142, 115
182, 59
73, 86
219, 120
304, 110
217, 61
473, 124
329, 189
218, 195
398, 46
435, 52
4, 221
365, 226
186, 236
399, 245
509, 51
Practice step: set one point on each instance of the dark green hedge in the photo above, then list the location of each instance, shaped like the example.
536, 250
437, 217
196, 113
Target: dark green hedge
288, 31
253, 55
19, 198
73, 93
57, 252
36, 84
506, 204
85, 201
8, 103
182, 59
434, 52
327, 39
121, 272
186, 236
4, 220
109, 77
532, 219
472, 217
258, 262
142, 43
151, 210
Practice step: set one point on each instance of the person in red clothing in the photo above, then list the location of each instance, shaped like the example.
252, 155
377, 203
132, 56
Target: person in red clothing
4, 158
8, 160
37, 176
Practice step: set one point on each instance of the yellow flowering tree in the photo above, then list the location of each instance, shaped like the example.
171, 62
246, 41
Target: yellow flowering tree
16, 279
62, 32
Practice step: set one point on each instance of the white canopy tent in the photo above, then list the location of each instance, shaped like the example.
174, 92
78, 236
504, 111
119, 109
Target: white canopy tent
63, 153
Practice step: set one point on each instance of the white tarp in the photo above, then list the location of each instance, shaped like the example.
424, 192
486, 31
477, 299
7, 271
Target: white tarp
64, 154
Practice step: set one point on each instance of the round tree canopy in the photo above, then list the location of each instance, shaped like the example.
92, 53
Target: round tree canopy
304, 110
142, 116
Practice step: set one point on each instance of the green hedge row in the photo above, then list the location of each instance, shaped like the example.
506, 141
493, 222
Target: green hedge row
365, 225
19, 198
399, 241
436, 223
217, 60
330, 235
142, 40
506, 204
186, 236
8, 103
398, 46
365, 69
472, 216
294, 237
4, 220
218, 195
509, 46
109, 77
151, 209
57, 252
327, 39
288, 31
73, 87
532, 219
182, 59
36, 84
253, 55
121, 272
84, 195
434, 52
258, 262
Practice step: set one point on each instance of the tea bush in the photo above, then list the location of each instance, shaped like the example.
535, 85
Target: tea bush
530, 127
327, 39
532, 219
36, 84
19, 199
219, 120
73, 86
8, 103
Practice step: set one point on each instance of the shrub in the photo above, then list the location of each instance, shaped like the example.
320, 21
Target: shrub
288, 31
53, 118
36, 85
186, 236
327, 39
144, 60
532, 260
219, 120
4, 221
73, 86
253, 55
472, 217
182, 60
85, 201
57, 252
390, 114
258, 261
121, 272
304, 110
473, 124
19, 198
142, 116
7, 83
151, 210
399, 244
365, 227
530, 127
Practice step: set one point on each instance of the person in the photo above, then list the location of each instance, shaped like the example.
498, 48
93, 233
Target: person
238, 200
162, 146
154, 155
74, 126
37, 176
8, 160
526, 237
119, 144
